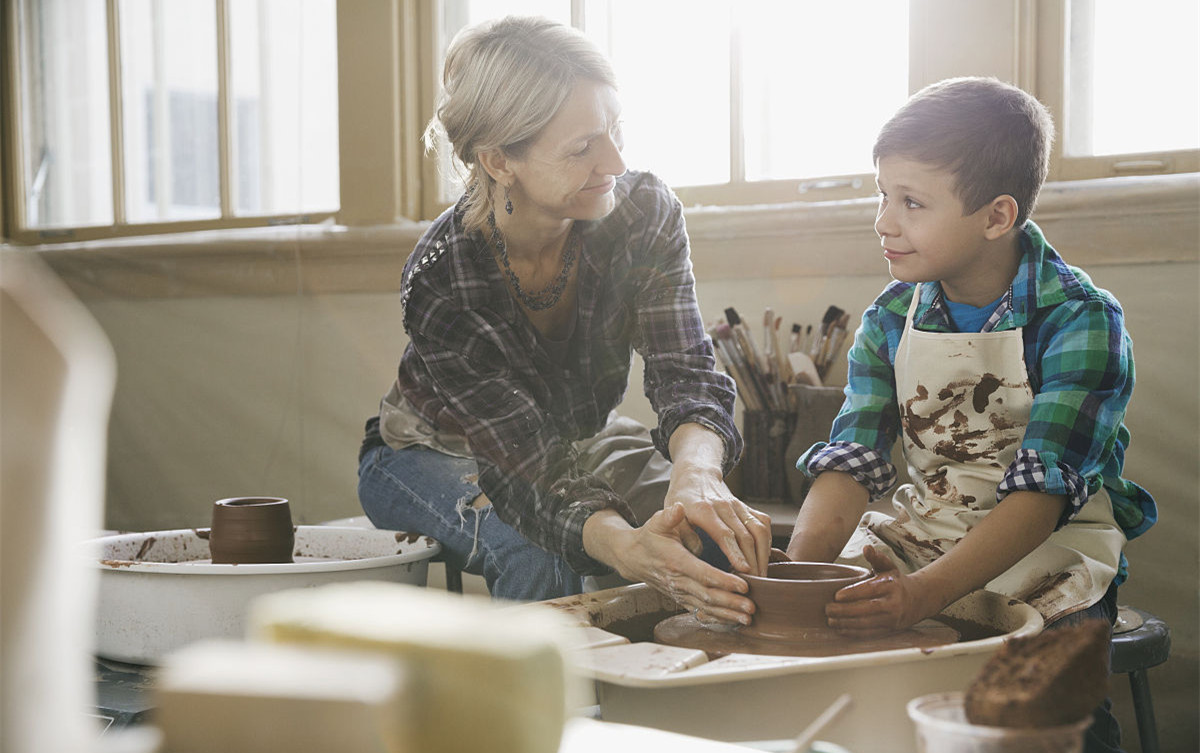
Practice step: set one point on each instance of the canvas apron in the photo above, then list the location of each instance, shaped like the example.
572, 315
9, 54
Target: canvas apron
965, 402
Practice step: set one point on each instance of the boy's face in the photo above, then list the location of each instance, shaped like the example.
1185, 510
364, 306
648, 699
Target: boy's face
926, 236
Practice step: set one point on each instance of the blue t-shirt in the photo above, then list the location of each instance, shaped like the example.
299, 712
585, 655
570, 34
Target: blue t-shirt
970, 318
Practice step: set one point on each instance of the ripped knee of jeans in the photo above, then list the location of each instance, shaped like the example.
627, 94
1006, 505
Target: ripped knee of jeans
479, 506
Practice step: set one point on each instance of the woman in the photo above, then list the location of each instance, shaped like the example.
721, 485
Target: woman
523, 303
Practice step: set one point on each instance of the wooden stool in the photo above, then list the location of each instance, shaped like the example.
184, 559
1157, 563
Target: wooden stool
1140, 641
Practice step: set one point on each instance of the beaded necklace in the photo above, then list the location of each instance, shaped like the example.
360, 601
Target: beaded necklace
549, 295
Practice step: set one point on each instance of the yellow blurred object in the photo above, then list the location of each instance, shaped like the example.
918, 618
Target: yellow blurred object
483, 676
219, 695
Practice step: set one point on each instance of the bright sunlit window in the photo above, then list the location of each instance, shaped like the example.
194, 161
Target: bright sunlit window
1135, 77
754, 90
171, 157
66, 158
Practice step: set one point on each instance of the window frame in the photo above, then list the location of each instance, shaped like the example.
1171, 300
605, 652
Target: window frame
1020, 41
386, 178
1053, 21
12, 193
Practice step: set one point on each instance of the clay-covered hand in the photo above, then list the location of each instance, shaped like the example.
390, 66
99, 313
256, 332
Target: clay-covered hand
657, 555
742, 533
888, 602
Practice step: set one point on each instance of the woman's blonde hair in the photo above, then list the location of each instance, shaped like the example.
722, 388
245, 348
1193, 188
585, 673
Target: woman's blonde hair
502, 83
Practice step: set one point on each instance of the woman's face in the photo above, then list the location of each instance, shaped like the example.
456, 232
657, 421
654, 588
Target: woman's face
570, 170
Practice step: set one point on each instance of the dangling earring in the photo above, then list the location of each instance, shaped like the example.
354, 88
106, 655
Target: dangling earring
508, 207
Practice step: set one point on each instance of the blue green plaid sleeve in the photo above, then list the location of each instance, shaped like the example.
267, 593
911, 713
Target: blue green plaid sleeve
866, 427
1086, 376
870, 415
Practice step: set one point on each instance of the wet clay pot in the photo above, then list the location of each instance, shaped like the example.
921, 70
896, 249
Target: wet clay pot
251, 530
790, 601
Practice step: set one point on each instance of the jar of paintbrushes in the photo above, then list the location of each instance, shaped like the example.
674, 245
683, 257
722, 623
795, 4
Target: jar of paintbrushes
779, 382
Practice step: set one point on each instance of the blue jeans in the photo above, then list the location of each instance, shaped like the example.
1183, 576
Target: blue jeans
1104, 736
424, 491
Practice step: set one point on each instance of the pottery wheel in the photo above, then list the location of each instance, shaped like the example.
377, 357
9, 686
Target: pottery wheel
686, 631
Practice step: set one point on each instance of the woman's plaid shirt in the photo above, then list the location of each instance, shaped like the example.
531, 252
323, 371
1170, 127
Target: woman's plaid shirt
475, 364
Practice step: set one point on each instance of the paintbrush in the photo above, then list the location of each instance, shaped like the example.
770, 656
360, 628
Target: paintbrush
778, 371
742, 331
831, 315
744, 375
769, 362
782, 366
760, 372
834, 340
732, 365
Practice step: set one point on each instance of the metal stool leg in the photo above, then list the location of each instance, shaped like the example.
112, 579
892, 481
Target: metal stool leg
454, 583
1143, 709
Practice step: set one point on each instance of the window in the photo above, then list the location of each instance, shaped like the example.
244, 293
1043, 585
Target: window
64, 157
1134, 78
220, 113
206, 114
756, 79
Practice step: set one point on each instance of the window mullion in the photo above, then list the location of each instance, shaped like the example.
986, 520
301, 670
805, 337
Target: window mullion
116, 114
224, 100
737, 147
12, 112
161, 119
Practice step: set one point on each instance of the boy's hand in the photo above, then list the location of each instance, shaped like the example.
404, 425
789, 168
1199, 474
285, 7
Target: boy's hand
888, 602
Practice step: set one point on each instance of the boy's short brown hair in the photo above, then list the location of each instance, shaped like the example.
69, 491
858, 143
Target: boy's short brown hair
993, 137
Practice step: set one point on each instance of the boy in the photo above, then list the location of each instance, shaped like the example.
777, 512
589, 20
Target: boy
1004, 372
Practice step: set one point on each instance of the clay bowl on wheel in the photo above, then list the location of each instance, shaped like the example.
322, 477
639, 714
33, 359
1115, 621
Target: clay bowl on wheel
790, 601
251, 530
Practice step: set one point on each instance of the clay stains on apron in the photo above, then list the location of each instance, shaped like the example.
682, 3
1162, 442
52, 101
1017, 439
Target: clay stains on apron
1048, 596
962, 445
910, 547
988, 383
914, 424
940, 486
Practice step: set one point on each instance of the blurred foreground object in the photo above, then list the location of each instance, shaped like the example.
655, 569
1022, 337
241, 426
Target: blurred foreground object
222, 695
57, 373
482, 676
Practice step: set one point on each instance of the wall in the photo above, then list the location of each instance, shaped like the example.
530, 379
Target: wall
247, 363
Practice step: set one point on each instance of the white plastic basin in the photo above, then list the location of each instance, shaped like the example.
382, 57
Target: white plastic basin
159, 590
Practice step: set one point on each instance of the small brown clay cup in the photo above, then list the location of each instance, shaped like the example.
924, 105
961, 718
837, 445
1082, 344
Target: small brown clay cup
251, 530
790, 601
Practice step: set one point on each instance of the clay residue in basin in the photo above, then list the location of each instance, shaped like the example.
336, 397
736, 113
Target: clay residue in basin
118, 563
147, 545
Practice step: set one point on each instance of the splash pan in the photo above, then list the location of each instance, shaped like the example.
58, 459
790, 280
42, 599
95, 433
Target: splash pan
160, 590
742, 696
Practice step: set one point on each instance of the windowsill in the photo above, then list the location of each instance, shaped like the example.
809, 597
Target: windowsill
1094, 222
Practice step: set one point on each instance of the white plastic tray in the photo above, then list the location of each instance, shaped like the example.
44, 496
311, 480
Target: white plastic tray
159, 590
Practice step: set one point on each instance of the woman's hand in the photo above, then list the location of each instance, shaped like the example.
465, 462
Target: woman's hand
656, 554
888, 602
742, 533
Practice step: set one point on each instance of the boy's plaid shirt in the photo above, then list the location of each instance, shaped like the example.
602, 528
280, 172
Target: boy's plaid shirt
1080, 363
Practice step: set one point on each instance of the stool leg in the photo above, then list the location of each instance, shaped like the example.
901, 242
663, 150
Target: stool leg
454, 583
1143, 709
